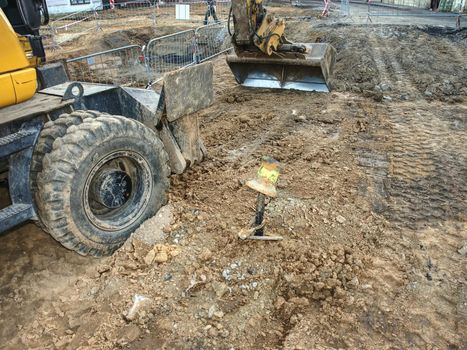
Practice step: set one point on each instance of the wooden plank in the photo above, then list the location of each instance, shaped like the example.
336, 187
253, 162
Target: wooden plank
39, 104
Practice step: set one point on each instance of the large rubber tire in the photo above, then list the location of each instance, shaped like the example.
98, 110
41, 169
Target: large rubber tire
51, 131
64, 183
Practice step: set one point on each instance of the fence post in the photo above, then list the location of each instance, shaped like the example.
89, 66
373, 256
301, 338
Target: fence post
96, 16
155, 6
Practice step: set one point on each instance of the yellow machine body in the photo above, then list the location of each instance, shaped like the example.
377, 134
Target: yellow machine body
18, 80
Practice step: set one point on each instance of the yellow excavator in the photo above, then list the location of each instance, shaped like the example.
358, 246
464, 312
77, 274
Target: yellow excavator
88, 162
265, 58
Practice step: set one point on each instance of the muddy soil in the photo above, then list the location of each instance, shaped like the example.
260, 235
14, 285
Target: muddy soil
371, 205
400, 62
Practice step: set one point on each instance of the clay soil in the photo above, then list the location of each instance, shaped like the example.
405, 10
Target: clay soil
371, 206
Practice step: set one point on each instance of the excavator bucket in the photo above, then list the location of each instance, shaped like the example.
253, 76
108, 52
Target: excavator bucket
309, 71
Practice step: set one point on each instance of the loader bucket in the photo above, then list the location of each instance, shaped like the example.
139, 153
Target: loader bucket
306, 72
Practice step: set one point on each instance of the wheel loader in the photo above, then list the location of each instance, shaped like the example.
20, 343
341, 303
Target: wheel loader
264, 58
88, 162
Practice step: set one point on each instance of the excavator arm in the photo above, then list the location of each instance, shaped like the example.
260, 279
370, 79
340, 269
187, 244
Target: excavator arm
265, 58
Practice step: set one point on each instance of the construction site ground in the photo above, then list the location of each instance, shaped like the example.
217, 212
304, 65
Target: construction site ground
372, 204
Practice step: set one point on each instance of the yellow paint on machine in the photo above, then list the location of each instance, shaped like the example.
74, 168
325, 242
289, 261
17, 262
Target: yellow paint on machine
18, 80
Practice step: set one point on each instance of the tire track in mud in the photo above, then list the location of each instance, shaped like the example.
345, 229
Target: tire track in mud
378, 58
428, 162
419, 176
391, 70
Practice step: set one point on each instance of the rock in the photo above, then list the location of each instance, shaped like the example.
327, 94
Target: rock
205, 255
212, 332
218, 314
279, 302
161, 257
149, 257
300, 118
385, 87
211, 311
354, 282
463, 250
227, 274
340, 219
299, 301
219, 288
315, 165
404, 97
103, 268
62, 341
140, 302
254, 321
152, 230
129, 334
378, 96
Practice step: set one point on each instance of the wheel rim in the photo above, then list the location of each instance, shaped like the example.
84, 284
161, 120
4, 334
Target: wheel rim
117, 190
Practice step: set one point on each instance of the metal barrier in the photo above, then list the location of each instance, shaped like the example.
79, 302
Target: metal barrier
137, 12
123, 66
377, 12
170, 52
134, 66
77, 22
212, 40
48, 38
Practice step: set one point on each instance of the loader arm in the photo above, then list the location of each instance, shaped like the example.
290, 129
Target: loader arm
265, 58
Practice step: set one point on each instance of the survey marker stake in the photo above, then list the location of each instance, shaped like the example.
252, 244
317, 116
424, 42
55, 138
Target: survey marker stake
265, 185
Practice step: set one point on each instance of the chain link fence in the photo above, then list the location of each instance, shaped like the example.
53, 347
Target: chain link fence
124, 66
212, 40
76, 22
141, 12
170, 52
399, 11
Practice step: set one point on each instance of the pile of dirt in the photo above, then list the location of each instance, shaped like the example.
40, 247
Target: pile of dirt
401, 62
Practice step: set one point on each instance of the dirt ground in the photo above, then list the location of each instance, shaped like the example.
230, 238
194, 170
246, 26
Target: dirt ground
371, 205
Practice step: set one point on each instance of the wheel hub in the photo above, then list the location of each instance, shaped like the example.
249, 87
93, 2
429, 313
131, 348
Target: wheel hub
112, 188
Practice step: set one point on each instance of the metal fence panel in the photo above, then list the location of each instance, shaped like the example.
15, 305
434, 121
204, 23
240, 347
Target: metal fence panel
397, 10
137, 12
77, 22
123, 66
48, 38
170, 52
212, 40
133, 66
